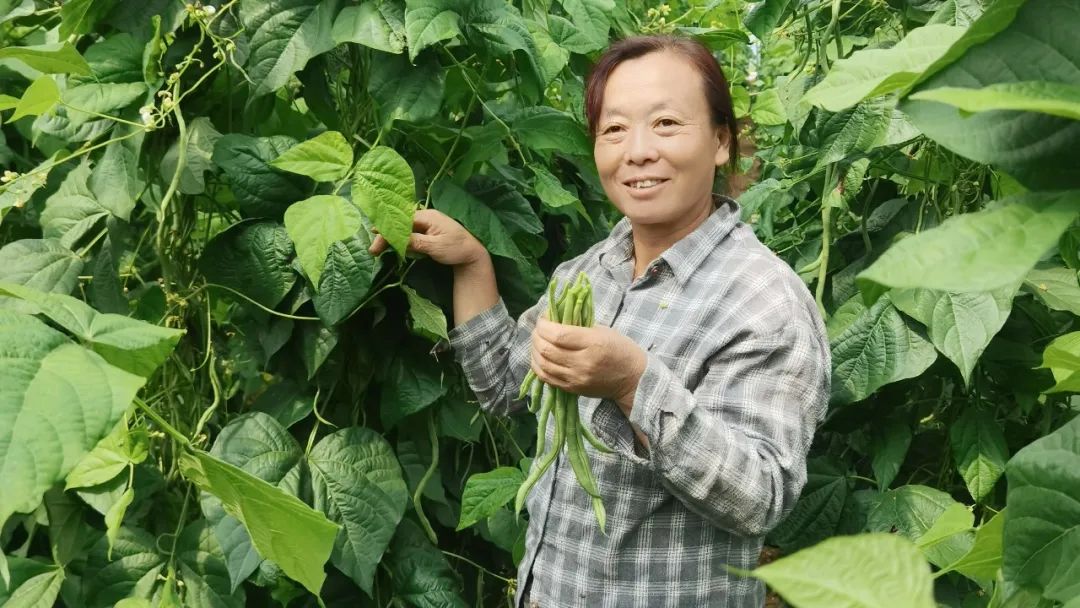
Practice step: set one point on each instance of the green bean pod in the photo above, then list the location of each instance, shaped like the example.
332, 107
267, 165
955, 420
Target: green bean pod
547, 460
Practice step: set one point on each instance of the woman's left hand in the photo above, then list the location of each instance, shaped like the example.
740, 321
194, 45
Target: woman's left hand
590, 361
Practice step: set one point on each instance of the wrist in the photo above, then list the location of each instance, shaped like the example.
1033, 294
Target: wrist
625, 400
478, 259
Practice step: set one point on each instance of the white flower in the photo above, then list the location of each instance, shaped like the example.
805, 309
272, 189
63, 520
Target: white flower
209, 10
147, 114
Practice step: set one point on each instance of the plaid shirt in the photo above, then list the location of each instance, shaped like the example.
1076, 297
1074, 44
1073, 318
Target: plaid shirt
737, 379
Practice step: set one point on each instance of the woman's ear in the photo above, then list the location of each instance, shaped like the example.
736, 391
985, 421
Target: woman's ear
722, 148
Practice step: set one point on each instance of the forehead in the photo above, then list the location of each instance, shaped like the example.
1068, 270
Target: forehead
660, 79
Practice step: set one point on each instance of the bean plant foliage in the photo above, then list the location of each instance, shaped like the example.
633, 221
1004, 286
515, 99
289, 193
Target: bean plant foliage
212, 395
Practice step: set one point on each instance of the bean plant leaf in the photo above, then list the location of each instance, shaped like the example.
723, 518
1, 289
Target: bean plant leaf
978, 444
411, 93
818, 512
422, 576
81, 16
1057, 287
877, 348
314, 223
912, 511
39, 591
1031, 146
425, 317
282, 528
73, 210
132, 345
591, 18
39, 98
428, 22
873, 72
59, 400
284, 36
131, 573
325, 157
412, 383
477, 217
956, 519
261, 190
357, 482
1042, 528
379, 25
252, 257
22, 570
486, 493
865, 571
385, 190
890, 447
202, 137
100, 98
765, 16
854, 131
767, 109
1052, 98
41, 264
346, 277
115, 453
979, 251
544, 128
1062, 358
960, 325
59, 58
983, 561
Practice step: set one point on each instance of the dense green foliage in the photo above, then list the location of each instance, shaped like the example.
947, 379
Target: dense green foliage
211, 394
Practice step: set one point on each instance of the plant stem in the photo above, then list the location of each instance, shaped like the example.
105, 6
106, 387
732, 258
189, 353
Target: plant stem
165, 426
433, 437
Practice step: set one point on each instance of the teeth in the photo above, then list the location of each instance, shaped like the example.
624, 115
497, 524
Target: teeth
645, 183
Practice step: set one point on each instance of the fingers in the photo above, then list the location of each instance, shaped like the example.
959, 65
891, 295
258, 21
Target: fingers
378, 245
568, 337
550, 372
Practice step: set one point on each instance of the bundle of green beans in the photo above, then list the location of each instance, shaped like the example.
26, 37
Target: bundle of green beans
573, 307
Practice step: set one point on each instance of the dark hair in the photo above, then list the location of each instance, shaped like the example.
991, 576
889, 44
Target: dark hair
717, 92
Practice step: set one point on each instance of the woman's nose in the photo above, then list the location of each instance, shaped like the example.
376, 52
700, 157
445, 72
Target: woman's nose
640, 147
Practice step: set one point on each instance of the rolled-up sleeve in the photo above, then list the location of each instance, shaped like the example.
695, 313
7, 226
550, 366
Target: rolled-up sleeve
734, 448
493, 351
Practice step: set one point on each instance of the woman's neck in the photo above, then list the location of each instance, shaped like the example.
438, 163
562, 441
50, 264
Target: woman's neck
653, 239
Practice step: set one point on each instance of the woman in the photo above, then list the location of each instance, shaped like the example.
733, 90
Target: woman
707, 369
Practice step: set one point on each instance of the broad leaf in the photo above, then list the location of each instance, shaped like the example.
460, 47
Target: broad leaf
282, 528
325, 157
38, 592
978, 444
284, 35
59, 58
201, 138
115, 180
261, 190
890, 446
412, 383
73, 210
866, 571
1062, 358
314, 223
428, 22
379, 25
854, 131
41, 264
984, 559
819, 511
765, 16
252, 257
767, 109
486, 493
357, 482
82, 16
422, 577
1052, 98
411, 93
115, 453
346, 277
980, 251
873, 72
39, 97
960, 325
131, 572
477, 217
1042, 528
425, 317
544, 128
912, 511
385, 190
1057, 287
102, 98
22, 572
132, 345
877, 348
59, 400
550, 189
955, 519
591, 18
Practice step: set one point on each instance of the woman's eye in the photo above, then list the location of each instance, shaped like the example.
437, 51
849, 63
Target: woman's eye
611, 129
666, 122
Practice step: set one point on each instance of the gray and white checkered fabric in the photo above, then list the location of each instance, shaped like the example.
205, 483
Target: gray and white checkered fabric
737, 380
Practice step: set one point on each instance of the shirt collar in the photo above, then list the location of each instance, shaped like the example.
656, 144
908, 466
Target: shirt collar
684, 257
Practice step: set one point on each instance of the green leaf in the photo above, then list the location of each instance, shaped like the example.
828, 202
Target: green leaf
591, 18
115, 453
325, 158
282, 528
765, 16
978, 444
252, 257
132, 345
117, 58
357, 482
407, 92
551, 57
115, 181
890, 446
873, 72
1054, 98
877, 348
201, 138
1042, 528
865, 571
912, 511
260, 446
854, 131
385, 190
1062, 358
956, 519
984, 559
115, 516
73, 210
486, 493
544, 128
41, 264
477, 217
201, 566
102, 98
412, 383
550, 189
39, 98
961, 325
379, 25
317, 341
59, 58
428, 22
21, 570
314, 223
980, 251
261, 190
422, 577
346, 277
717, 39
132, 571
1057, 287
59, 400
425, 317
767, 109
82, 16
1032, 147
38, 592
284, 35
818, 512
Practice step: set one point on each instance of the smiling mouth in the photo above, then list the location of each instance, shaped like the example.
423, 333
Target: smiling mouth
644, 184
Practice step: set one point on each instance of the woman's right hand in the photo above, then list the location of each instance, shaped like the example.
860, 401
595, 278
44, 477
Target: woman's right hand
439, 237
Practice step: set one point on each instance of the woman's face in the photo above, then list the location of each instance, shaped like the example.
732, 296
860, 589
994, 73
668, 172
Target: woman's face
656, 148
